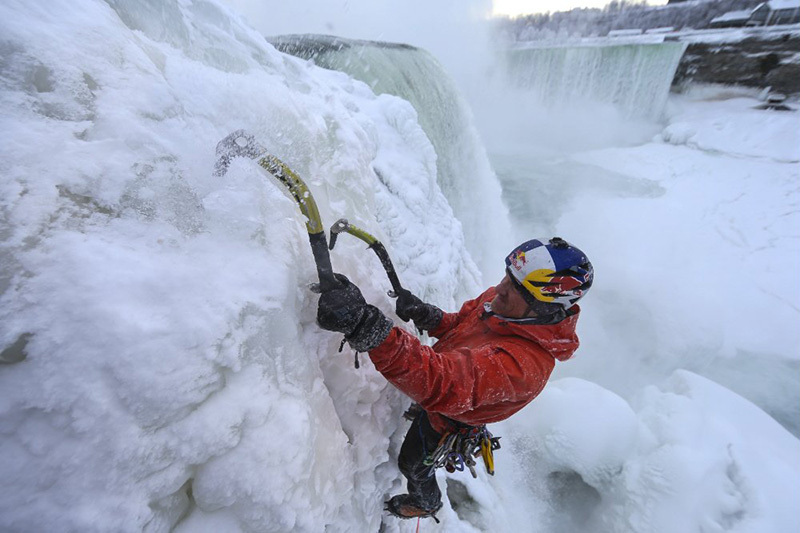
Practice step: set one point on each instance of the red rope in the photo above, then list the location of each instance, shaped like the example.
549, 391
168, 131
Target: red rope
418, 519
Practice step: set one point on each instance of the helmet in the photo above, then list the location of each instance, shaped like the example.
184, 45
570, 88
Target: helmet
551, 271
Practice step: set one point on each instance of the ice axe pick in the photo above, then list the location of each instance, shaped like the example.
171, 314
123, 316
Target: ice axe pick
342, 225
243, 144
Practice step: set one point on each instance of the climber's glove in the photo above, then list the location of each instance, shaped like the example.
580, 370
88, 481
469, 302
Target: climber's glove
345, 310
425, 316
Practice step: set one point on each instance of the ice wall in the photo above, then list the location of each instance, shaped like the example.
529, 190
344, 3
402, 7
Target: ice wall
174, 376
463, 169
634, 77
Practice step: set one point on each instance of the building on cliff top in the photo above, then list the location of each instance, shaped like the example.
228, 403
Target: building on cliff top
769, 13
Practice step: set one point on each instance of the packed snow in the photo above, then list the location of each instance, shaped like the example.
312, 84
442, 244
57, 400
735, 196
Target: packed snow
174, 377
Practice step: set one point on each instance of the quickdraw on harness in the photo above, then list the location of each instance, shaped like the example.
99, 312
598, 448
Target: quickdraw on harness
458, 449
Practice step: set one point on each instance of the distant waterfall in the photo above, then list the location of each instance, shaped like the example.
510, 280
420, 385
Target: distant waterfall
463, 170
636, 78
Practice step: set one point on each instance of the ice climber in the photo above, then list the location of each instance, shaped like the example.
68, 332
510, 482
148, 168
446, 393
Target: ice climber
492, 357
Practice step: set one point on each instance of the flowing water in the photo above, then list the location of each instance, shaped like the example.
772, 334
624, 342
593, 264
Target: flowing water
634, 77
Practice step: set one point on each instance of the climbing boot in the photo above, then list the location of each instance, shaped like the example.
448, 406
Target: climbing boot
404, 506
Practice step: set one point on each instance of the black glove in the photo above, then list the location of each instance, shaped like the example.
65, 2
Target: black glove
409, 307
341, 309
345, 310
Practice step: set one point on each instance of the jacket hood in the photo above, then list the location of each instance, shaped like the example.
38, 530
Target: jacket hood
560, 340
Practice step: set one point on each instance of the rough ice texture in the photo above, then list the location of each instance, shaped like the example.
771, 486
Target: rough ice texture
175, 370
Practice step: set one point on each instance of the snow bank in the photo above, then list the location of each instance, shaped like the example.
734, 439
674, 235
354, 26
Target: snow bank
747, 132
690, 455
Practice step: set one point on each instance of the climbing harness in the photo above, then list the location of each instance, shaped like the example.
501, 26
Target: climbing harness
458, 449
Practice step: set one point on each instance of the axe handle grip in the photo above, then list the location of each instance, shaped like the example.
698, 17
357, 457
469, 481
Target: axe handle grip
383, 255
319, 247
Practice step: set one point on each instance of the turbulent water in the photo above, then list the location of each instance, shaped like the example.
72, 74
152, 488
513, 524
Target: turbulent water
415, 75
634, 77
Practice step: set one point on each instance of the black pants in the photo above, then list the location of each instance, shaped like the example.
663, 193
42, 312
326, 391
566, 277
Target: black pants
420, 441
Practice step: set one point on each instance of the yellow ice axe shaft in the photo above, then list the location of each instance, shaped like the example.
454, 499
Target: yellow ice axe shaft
242, 144
342, 225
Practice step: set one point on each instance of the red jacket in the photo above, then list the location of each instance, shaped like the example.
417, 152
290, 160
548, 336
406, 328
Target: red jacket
483, 369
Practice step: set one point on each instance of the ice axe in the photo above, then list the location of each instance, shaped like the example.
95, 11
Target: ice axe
243, 144
342, 225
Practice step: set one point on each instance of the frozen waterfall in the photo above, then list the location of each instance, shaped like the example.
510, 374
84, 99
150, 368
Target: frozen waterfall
463, 169
635, 77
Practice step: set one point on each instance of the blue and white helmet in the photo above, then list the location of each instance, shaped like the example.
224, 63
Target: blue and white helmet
550, 271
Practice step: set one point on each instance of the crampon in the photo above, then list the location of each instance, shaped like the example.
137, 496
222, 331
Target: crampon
404, 506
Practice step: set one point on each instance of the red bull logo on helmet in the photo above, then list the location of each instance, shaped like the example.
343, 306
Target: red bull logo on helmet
518, 259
